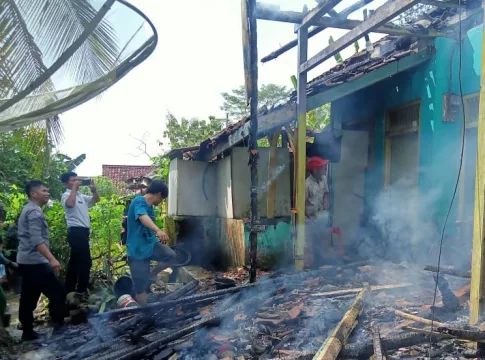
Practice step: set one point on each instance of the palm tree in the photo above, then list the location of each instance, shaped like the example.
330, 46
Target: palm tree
34, 34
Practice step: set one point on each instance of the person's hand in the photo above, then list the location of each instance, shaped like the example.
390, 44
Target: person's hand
92, 186
56, 266
76, 185
162, 236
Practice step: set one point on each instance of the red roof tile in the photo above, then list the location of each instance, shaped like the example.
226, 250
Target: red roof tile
121, 173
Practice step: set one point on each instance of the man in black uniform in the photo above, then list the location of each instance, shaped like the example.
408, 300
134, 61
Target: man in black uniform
38, 267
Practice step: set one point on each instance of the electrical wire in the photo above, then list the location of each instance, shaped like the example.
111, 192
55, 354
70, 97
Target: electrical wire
457, 178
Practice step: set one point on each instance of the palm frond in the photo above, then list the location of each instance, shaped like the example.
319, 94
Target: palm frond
55, 24
20, 57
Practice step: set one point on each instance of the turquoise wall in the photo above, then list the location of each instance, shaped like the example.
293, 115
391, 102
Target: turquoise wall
440, 142
275, 246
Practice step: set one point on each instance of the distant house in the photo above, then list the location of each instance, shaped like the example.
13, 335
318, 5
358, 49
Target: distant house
119, 174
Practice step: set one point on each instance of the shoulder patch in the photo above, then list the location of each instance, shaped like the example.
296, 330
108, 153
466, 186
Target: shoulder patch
38, 213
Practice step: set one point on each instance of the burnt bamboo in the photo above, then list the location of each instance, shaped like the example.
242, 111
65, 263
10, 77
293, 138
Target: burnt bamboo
452, 272
141, 351
419, 319
331, 348
253, 137
183, 291
376, 341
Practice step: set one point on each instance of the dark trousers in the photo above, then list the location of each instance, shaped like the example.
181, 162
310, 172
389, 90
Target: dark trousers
40, 279
80, 261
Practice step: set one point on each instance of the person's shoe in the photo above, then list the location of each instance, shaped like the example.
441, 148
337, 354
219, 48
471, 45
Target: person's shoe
30, 335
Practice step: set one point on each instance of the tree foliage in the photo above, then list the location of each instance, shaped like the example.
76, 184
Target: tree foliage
269, 96
185, 133
25, 154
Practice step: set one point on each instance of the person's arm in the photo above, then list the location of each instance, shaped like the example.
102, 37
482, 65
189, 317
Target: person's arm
325, 194
70, 201
35, 221
95, 198
148, 223
45, 252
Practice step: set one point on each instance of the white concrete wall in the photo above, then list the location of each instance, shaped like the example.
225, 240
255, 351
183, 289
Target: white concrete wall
241, 182
186, 194
224, 189
348, 179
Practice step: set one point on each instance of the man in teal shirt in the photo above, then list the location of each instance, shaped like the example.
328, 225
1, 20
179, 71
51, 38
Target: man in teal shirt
144, 240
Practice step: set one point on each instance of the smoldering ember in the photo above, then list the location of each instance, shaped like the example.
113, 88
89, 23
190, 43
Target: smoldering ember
354, 310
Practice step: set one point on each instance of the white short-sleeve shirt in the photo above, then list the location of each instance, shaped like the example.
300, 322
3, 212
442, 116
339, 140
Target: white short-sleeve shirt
78, 215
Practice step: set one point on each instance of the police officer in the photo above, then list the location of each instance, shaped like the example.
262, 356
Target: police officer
38, 267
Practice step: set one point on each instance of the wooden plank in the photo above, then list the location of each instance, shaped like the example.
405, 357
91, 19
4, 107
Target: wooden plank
272, 163
301, 150
318, 11
386, 12
478, 259
294, 17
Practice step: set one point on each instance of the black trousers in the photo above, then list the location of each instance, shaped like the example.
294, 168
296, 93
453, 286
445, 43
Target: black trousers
40, 279
79, 267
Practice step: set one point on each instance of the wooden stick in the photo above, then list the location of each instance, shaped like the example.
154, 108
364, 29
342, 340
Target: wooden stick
461, 294
419, 319
331, 348
357, 290
448, 271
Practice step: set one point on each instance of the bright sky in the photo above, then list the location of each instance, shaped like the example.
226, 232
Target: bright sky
199, 55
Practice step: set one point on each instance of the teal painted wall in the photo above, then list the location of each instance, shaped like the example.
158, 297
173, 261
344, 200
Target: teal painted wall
440, 142
275, 247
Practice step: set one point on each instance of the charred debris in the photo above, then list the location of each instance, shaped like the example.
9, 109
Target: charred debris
356, 310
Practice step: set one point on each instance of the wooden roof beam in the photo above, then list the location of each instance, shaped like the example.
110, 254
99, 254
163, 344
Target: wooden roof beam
293, 17
383, 14
318, 11
341, 15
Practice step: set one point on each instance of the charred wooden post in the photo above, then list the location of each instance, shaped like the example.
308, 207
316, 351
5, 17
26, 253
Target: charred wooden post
450, 301
331, 348
452, 272
250, 47
473, 335
376, 341
366, 349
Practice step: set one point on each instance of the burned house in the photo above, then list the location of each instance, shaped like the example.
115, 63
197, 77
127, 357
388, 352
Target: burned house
394, 142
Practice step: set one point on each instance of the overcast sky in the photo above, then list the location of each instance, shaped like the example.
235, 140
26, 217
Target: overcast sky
199, 55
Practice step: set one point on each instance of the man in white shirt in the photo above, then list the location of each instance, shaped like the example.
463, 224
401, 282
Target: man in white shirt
76, 207
316, 209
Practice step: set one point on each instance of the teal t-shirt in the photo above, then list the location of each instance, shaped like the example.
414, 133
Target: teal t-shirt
140, 240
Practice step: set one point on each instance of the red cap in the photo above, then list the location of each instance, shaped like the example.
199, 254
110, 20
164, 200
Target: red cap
316, 162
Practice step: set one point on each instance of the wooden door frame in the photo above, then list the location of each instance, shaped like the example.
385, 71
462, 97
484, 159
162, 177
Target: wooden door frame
388, 139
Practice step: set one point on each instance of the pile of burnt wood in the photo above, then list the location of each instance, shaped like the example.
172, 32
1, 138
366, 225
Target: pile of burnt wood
323, 314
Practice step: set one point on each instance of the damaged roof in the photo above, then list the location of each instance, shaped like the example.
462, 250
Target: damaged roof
385, 51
